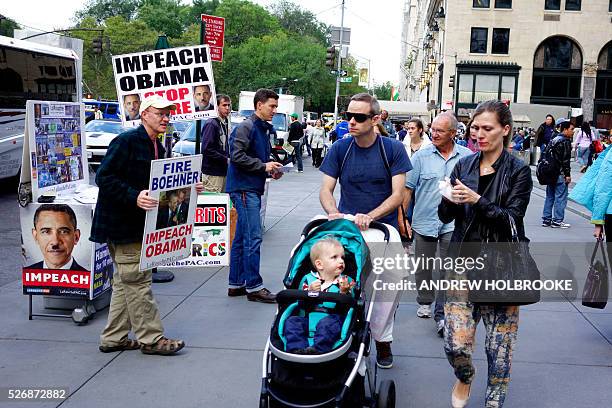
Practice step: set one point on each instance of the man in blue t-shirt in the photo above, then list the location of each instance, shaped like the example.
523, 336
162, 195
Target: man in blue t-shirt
372, 173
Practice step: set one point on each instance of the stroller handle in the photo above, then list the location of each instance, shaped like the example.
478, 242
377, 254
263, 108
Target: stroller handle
320, 221
291, 295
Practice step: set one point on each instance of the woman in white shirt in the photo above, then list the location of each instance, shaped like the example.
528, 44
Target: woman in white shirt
316, 138
582, 144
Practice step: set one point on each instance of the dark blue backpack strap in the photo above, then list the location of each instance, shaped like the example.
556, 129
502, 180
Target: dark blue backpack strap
344, 154
386, 149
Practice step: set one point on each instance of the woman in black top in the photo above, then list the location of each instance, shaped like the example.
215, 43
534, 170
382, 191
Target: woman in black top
489, 187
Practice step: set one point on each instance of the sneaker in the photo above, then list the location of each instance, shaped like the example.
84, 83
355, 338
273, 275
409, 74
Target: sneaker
236, 292
300, 171
440, 328
424, 311
262, 295
563, 225
384, 356
546, 223
163, 346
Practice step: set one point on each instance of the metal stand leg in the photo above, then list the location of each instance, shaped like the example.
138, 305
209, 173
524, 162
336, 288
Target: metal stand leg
30, 307
162, 276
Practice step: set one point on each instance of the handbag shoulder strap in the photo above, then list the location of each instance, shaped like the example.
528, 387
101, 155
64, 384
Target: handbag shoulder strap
600, 243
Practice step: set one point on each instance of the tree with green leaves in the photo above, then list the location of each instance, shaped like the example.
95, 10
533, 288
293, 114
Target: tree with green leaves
299, 21
164, 16
7, 27
125, 37
100, 10
198, 8
383, 91
244, 20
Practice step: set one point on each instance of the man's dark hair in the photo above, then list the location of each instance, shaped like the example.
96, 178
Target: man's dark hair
62, 208
565, 125
262, 95
221, 98
366, 97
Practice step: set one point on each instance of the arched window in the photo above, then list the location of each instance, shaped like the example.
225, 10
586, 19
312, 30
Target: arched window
604, 73
603, 89
557, 72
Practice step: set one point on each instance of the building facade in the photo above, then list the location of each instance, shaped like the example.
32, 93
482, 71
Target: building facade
548, 52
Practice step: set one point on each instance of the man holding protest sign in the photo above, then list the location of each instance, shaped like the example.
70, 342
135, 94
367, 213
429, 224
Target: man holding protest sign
123, 179
246, 178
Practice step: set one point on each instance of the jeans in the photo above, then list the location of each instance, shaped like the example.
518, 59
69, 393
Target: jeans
326, 333
426, 247
245, 252
556, 199
307, 147
298, 154
583, 154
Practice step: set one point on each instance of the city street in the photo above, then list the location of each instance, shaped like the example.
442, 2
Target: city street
563, 357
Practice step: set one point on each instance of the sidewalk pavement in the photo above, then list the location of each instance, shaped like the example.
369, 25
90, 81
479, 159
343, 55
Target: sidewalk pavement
563, 357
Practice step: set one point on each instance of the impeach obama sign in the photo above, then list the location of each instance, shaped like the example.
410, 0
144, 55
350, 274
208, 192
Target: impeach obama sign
177, 74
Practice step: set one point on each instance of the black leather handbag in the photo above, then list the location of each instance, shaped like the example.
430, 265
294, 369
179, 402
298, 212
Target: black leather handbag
507, 262
595, 291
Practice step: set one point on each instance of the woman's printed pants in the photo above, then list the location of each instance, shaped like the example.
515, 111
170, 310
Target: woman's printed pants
501, 325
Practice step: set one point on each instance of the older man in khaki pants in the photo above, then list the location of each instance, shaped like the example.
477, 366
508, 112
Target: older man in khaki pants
123, 179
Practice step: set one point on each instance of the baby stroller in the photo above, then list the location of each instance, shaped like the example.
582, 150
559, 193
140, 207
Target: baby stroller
341, 377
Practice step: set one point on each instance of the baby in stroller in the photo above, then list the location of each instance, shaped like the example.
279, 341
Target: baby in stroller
327, 256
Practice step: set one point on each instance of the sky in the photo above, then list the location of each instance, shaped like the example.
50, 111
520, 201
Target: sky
375, 31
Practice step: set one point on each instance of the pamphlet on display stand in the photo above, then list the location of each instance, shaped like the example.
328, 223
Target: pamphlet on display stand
58, 258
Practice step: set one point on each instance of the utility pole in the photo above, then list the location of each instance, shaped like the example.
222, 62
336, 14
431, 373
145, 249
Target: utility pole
339, 65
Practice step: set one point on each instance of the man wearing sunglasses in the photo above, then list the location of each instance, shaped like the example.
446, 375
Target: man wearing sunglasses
372, 173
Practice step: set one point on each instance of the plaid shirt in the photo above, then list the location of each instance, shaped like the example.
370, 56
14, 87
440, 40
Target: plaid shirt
123, 174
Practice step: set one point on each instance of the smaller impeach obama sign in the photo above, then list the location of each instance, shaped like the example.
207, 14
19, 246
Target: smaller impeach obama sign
210, 240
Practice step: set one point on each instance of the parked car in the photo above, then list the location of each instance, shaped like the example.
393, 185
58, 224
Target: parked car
109, 109
98, 135
177, 129
186, 144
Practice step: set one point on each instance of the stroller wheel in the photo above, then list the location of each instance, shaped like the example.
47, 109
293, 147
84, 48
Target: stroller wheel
386, 395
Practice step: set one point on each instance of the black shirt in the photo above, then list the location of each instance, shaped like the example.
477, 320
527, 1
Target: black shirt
475, 233
296, 132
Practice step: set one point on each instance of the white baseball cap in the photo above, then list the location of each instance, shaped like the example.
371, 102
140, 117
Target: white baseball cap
156, 101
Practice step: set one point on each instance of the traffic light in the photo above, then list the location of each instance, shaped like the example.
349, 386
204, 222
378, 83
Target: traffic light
97, 45
451, 81
330, 57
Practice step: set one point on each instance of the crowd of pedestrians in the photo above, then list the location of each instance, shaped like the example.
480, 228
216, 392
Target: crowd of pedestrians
377, 169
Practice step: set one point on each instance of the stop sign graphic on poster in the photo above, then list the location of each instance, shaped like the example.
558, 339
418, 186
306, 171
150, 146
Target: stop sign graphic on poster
215, 32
